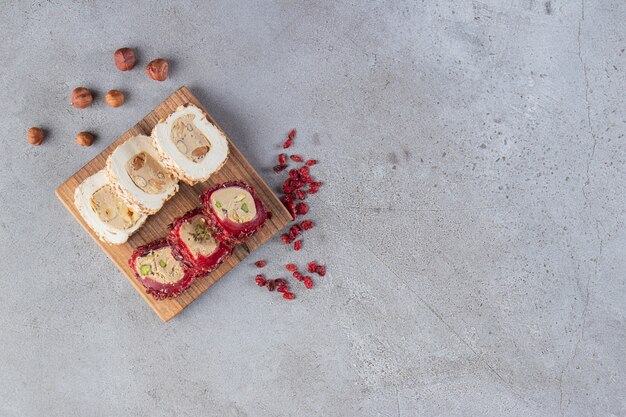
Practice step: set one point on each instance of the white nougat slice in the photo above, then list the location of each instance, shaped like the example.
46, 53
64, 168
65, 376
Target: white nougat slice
190, 145
106, 213
135, 171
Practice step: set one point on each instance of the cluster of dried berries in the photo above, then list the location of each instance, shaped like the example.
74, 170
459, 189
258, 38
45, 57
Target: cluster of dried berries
279, 284
296, 187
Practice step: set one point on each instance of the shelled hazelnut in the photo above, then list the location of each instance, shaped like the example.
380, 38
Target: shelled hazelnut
81, 97
158, 69
36, 136
85, 138
125, 59
114, 98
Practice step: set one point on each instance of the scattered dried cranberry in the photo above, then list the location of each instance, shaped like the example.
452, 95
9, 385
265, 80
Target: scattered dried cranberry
288, 296
260, 281
300, 195
283, 289
285, 238
271, 285
304, 170
294, 231
281, 281
289, 140
260, 264
308, 282
279, 168
291, 267
294, 174
297, 245
302, 208
312, 266
287, 187
313, 190
297, 275
282, 158
311, 162
296, 158
306, 224
321, 270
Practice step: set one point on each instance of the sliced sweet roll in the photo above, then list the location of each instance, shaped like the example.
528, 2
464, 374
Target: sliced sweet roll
194, 243
234, 210
157, 269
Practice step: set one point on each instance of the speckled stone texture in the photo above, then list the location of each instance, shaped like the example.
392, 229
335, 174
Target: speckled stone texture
472, 217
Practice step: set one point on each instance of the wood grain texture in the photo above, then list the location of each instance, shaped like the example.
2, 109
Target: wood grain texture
236, 168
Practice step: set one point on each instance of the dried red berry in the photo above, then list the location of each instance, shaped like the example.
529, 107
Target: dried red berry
297, 275
283, 289
291, 267
281, 281
308, 282
285, 238
313, 190
321, 270
302, 208
294, 174
282, 158
311, 162
288, 296
297, 245
294, 231
279, 168
260, 281
289, 140
312, 266
271, 285
260, 264
306, 224
300, 195
304, 170
316, 184
296, 158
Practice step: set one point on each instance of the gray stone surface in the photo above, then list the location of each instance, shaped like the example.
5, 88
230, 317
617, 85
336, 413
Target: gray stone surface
472, 218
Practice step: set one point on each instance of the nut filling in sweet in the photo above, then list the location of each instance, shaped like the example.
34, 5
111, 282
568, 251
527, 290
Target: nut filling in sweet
234, 203
160, 266
111, 209
197, 235
148, 174
189, 140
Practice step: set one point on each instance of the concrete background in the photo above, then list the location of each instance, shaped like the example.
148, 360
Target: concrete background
472, 219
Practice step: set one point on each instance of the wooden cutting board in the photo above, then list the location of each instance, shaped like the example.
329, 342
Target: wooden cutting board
236, 168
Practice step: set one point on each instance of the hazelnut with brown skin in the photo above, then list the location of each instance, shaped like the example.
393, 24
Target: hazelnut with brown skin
36, 136
114, 98
85, 138
158, 69
125, 59
81, 97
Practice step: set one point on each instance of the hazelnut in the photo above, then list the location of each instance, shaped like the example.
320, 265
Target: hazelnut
114, 98
81, 97
158, 69
125, 59
85, 138
36, 136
